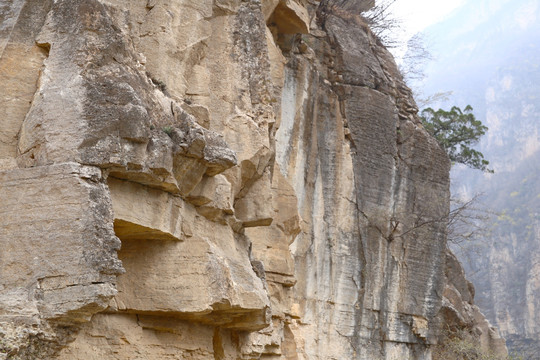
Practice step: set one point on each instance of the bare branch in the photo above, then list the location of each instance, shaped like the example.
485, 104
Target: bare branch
383, 23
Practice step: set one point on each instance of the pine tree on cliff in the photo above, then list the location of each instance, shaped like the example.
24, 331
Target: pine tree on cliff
457, 131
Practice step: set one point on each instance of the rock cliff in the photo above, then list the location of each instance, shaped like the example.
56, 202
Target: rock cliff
465, 333
215, 179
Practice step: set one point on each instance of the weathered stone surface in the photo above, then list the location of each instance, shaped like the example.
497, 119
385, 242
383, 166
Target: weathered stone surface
290, 18
125, 336
21, 61
273, 192
255, 208
144, 213
59, 218
114, 114
203, 280
354, 272
213, 198
462, 319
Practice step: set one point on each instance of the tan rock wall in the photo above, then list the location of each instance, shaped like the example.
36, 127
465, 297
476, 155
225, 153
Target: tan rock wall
226, 179
21, 65
59, 262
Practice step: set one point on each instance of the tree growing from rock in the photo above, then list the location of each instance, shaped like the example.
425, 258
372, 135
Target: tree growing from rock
457, 131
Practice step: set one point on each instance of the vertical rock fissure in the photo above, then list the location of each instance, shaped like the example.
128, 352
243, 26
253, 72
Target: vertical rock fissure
217, 343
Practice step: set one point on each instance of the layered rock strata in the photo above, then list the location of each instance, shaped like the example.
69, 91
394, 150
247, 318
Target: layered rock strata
213, 180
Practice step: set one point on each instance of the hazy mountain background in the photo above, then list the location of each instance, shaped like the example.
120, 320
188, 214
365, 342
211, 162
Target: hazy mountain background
487, 53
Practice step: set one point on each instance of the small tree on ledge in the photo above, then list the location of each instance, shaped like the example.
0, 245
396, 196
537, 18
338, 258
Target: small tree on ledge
457, 131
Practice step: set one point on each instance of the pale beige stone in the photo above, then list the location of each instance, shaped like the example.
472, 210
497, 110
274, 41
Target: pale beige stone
20, 67
144, 213
204, 279
213, 198
60, 218
277, 60
125, 336
255, 208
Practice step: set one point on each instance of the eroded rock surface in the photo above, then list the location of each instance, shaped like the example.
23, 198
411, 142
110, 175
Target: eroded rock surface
214, 179
464, 329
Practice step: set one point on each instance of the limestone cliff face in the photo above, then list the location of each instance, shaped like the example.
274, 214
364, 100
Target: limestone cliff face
213, 179
509, 295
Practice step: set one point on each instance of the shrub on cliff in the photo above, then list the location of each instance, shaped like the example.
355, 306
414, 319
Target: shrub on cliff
461, 344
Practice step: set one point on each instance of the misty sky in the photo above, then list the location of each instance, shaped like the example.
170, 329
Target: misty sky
416, 15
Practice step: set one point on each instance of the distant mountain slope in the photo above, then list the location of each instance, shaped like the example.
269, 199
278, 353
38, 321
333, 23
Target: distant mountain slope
488, 53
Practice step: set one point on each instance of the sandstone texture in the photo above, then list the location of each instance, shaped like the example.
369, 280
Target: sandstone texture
217, 179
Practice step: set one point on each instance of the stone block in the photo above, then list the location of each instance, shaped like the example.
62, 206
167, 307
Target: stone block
60, 218
213, 198
205, 279
255, 208
145, 213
